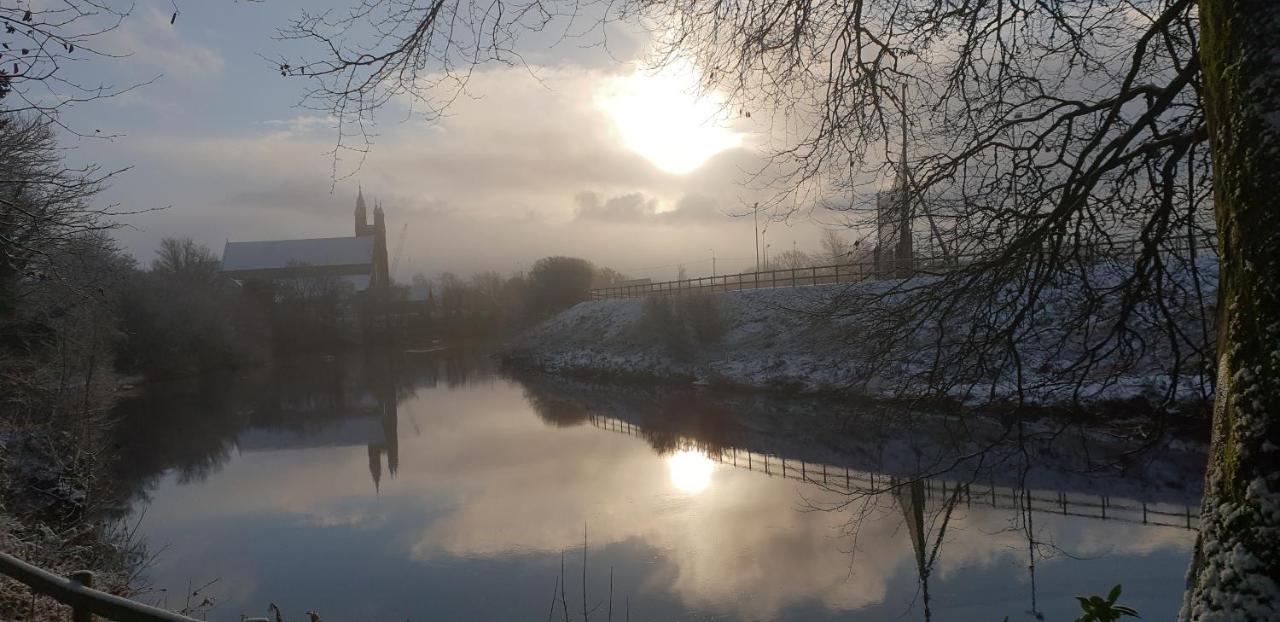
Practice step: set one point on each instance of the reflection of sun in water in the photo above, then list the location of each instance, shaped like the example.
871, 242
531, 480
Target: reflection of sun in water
661, 116
690, 471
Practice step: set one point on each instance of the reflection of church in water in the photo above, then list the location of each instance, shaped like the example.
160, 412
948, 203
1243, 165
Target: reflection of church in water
352, 402
339, 415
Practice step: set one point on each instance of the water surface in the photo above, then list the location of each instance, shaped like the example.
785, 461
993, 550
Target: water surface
427, 486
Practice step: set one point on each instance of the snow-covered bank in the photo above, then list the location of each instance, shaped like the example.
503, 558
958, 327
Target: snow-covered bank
809, 339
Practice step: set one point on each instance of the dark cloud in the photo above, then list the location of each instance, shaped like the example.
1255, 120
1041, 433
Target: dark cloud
636, 207
696, 207
633, 207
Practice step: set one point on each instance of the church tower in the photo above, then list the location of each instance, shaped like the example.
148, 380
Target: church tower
381, 269
362, 216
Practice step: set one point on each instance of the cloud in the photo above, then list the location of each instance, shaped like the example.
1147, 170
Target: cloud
636, 207
527, 166
153, 43
746, 545
633, 207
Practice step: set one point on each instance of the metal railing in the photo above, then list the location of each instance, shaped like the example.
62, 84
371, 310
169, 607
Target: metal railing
77, 592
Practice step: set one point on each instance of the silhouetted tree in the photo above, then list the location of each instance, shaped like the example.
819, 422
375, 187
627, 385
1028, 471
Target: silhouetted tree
180, 318
40, 41
557, 283
1058, 146
606, 276
184, 258
45, 206
835, 248
793, 259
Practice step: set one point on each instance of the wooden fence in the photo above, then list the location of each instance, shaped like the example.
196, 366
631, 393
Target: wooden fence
846, 273
768, 279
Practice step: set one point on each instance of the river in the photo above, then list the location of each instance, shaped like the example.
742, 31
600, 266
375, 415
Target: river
430, 486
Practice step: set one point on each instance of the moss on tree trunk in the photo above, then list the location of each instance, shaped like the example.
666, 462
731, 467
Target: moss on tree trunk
1236, 569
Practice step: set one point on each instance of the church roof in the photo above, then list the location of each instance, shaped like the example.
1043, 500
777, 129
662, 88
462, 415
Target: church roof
276, 254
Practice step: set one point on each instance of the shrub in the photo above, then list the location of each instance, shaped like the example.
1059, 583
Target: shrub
681, 324
701, 314
175, 326
658, 322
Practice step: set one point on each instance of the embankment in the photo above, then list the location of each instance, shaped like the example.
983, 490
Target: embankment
831, 339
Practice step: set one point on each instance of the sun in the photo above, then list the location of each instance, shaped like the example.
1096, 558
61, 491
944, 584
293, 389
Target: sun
664, 118
690, 471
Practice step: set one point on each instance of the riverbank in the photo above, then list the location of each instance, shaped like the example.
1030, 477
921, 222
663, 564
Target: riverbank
58, 509
815, 339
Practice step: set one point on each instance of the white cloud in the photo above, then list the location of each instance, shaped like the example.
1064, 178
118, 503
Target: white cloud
152, 43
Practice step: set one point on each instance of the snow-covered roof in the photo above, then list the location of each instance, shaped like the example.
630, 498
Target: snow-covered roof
275, 254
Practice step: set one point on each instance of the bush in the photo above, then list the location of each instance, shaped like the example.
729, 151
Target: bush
175, 326
658, 322
680, 324
557, 283
701, 314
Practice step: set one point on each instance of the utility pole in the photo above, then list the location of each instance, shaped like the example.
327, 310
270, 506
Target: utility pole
755, 216
713, 262
905, 250
764, 254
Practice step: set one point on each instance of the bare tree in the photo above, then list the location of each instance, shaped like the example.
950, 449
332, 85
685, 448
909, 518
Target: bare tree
184, 258
835, 248
45, 206
41, 41
793, 259
1055, 147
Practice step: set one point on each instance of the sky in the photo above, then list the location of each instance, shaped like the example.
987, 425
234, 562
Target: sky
582, 152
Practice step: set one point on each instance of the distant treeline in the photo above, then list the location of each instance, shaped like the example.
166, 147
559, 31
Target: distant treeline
74, 307
489, 304
181, 316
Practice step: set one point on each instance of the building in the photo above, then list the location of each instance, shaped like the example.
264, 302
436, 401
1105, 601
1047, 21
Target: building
359, 260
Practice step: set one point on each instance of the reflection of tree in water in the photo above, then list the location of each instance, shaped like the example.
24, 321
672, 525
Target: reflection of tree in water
189, 428
921, 470
192, 427
673, 420
558, 410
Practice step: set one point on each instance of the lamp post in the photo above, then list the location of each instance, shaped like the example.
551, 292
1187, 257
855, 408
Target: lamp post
713, 262
765, 255
755, 217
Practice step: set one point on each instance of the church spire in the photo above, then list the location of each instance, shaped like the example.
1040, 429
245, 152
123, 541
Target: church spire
362, 216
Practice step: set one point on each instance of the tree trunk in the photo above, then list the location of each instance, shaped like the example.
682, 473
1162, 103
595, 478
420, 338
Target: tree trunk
1235, 572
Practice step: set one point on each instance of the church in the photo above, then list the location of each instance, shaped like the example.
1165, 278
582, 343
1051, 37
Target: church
359, 260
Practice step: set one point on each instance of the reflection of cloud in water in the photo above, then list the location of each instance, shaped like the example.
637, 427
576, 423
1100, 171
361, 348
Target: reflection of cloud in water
484, 478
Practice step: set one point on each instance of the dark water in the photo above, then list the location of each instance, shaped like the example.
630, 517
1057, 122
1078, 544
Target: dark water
427, 486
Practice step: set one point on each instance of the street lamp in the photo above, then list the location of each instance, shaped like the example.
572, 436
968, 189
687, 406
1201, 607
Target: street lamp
765, 254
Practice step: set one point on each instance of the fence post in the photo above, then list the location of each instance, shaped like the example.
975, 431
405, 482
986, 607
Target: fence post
82, 578
837, 274
793, 277
815, 276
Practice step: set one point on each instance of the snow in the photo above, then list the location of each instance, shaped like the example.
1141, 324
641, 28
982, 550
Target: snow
790, 338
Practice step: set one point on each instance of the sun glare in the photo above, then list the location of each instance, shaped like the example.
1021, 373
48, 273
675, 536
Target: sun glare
662, 117
690, 471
